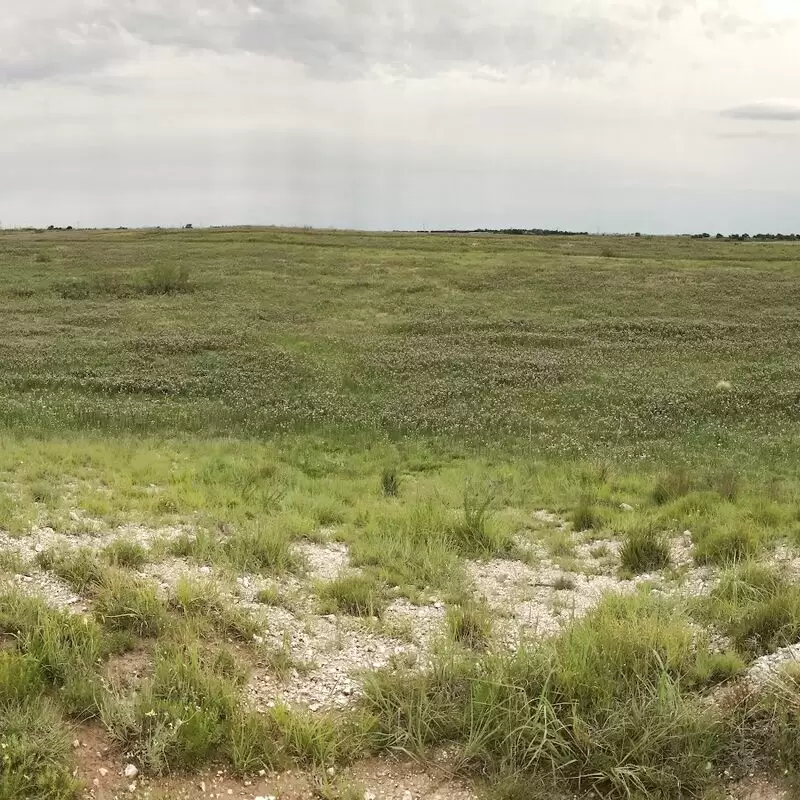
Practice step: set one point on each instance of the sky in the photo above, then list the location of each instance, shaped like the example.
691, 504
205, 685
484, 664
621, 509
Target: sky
660, 116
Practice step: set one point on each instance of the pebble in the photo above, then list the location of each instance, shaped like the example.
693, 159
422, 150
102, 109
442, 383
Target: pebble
131, 771
103, 772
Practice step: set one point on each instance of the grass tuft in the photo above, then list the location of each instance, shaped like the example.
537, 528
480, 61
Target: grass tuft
644, 550
469, 625
357, 595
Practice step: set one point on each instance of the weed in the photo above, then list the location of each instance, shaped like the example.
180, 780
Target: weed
260, 549
644, 550
564, 583
726, 483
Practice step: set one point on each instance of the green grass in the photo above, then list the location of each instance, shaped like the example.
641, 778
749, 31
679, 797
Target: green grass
417, 398
600, 709
469, 625
644, 550
357, 595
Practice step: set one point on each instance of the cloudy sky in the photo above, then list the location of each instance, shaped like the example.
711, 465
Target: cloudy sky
612, 115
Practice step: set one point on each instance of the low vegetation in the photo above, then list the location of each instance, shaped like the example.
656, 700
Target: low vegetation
419, 400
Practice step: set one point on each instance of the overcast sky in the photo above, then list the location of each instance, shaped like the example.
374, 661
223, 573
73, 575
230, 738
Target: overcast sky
612, 115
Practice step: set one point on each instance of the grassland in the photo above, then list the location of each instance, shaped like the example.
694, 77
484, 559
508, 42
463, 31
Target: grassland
188, 419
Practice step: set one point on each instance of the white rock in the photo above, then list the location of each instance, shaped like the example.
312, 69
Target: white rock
103, 772
407, 795
132, 788
131, 771
625, 507
76, 743
367, 795
96, 782
205, 570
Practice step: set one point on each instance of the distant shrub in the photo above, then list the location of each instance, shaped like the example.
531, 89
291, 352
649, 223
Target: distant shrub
644, 551
607, 251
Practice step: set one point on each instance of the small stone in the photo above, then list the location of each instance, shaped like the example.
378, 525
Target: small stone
314, 707
96, 782
76, 743
407, 795
230, 791
103, 772
205, 570
367, 795
131, 771
202, 786
625, 507
132, 788
331, 771
262, 772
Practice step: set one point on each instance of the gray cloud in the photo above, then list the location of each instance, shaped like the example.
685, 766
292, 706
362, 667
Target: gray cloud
348, 38
776, 110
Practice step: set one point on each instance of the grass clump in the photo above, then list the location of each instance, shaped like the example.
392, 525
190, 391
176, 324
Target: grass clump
125, 553
644, 550
469, 625
166, 279
182, 717
126, 603
65, 647
601, 708
390, 482
472, 534
357, 595
35, 754
727, 545
260, 549
671, 486
80, 568
585, 516
202, 600
756, 606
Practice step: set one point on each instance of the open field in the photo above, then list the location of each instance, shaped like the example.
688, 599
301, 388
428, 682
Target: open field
319, 514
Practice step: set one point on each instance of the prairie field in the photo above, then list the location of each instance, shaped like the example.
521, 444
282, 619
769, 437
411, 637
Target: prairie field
319, 514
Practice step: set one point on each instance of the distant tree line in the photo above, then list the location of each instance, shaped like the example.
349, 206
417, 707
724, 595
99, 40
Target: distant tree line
756, 237
515, 231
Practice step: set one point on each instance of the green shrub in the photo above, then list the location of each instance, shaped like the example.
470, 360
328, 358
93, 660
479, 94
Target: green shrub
644, 550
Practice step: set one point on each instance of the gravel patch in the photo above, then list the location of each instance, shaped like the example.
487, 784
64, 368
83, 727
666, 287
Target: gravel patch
324, 562
763, 670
